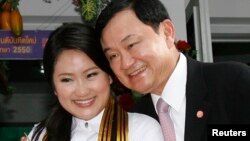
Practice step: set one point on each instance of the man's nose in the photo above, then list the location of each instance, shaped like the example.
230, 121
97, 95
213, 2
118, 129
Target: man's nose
126, 60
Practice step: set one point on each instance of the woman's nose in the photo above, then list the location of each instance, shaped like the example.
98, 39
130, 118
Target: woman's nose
82, 89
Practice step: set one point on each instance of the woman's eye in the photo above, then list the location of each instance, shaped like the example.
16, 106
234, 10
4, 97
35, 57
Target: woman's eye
92, 74
66, 80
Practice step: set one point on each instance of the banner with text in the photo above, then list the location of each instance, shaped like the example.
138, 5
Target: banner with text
28, 46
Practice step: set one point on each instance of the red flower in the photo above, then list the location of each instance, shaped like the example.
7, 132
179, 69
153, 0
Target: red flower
183, 45
126, 101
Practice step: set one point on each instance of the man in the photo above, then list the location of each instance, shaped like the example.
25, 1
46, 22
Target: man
138, 39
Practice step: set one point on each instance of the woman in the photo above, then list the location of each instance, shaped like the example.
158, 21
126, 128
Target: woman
81, 79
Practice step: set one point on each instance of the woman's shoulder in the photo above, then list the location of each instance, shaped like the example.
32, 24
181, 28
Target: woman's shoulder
33, 130
143, 127
138, 117
142, 122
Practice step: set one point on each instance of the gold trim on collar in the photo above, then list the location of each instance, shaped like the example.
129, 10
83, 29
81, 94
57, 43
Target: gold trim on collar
114, 121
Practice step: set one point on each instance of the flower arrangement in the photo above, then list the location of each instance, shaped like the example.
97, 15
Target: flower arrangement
126, 98
90, 9
186, 48
126, 101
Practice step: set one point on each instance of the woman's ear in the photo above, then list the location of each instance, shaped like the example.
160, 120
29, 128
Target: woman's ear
110, 80
55, 93
168, 28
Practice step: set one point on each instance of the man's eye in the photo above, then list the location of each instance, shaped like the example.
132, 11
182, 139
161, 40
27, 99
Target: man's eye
131, 45
113, 56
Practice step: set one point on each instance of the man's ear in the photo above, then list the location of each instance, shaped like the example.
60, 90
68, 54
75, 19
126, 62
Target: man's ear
169, 29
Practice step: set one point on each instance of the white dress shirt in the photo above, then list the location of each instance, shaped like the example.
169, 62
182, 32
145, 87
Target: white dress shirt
174, 93
141, 128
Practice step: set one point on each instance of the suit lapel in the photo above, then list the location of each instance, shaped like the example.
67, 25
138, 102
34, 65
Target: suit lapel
197, 109
196, 91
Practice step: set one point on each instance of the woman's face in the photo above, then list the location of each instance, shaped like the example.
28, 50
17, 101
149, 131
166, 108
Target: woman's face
81, 87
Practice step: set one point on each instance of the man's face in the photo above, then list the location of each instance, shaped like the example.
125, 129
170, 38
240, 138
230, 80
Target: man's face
141, 58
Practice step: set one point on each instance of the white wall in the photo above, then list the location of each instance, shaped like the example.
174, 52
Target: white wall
46, 16
43, 16
230, 20
40, 15
176, 10
230, 8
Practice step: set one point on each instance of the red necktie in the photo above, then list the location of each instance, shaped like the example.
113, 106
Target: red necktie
165, 120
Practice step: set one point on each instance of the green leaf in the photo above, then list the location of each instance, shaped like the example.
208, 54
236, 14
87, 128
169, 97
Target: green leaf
14, 3
89, 10
2, 2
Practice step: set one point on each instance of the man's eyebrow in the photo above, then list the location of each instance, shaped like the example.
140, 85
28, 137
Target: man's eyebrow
105, 50
127, 37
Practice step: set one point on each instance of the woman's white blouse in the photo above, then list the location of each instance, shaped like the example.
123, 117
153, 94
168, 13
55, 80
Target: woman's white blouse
141, 128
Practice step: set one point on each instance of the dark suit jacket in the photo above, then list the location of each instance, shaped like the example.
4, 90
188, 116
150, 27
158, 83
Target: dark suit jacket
220, 90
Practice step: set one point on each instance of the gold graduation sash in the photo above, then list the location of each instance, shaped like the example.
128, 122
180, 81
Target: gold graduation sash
45, 137
114, 124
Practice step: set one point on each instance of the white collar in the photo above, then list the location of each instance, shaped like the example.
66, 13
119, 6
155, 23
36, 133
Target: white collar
93, 124
175, 88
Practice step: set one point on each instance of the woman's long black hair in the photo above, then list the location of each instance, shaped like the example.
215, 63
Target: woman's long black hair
68, 36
